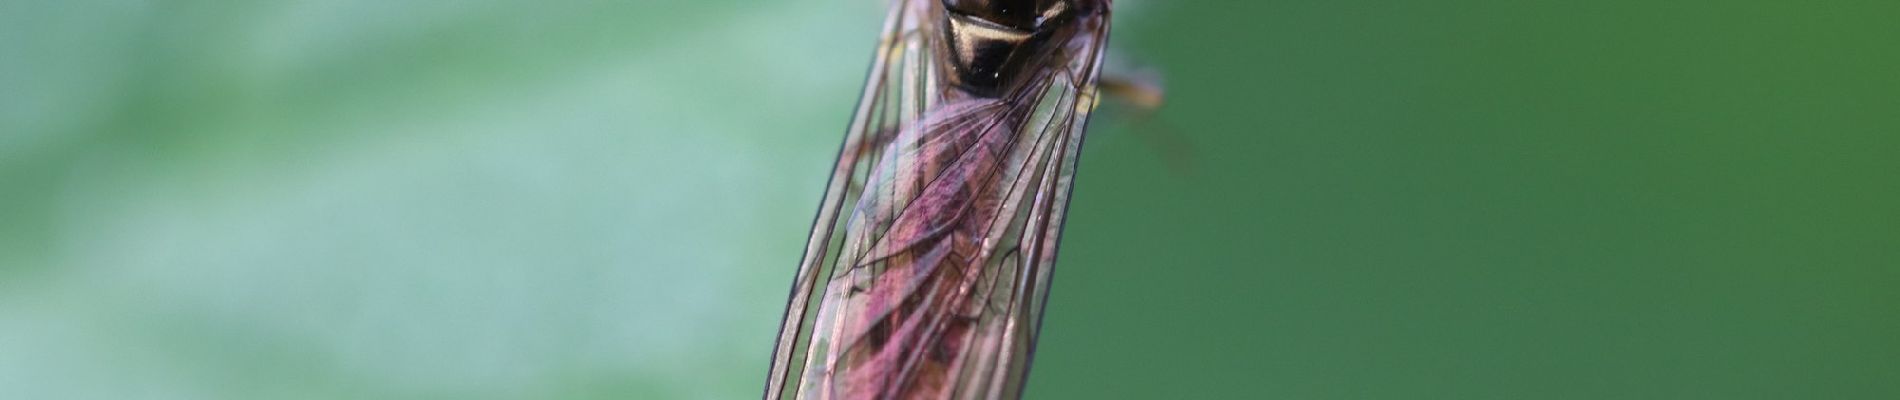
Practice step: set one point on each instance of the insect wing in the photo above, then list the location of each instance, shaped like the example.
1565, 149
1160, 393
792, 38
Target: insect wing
870, 128
870, 293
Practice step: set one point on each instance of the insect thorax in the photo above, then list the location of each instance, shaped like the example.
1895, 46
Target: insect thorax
990, 44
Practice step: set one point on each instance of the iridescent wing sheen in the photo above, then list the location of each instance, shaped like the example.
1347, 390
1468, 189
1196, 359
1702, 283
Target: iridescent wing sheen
929, 260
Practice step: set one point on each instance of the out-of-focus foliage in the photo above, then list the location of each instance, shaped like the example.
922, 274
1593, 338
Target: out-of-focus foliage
413, 199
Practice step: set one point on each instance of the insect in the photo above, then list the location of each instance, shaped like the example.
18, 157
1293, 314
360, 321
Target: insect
929, 261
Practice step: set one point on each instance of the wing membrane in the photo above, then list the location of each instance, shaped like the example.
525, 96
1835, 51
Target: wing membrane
930, 258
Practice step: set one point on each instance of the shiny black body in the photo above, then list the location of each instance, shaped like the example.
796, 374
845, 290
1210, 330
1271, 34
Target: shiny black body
989, 43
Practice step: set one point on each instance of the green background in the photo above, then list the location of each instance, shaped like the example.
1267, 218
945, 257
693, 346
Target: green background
514, 200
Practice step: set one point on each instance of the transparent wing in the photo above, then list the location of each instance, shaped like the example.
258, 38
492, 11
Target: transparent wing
1000, 354
873, 126
930, 256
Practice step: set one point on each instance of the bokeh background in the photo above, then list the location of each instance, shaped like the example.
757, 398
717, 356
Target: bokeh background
587, 199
